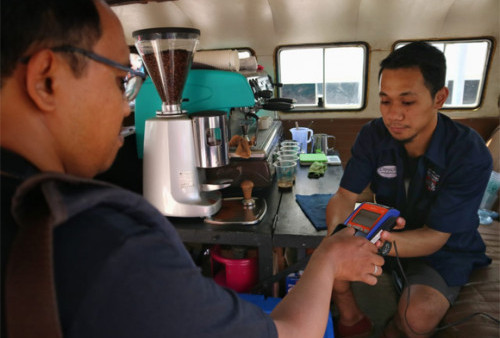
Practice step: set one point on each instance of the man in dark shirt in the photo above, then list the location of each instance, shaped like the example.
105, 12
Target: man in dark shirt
413, 159
119, 267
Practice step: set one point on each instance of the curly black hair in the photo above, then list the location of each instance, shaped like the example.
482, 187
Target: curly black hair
430, 60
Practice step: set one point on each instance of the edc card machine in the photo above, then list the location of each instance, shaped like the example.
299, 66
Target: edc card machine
369, 219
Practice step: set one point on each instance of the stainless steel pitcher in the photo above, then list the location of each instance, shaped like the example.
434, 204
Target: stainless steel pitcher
320, 143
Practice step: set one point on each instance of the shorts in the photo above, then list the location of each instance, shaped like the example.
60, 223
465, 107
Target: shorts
419, 272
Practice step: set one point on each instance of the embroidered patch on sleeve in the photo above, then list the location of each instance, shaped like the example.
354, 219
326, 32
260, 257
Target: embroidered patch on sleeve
431, 180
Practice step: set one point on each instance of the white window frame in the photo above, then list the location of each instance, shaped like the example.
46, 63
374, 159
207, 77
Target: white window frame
316, 55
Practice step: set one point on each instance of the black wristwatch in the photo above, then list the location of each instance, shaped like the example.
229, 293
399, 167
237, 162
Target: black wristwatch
385, 249
339, 227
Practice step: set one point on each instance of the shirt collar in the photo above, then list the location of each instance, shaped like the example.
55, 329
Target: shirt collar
436, 151
14, 165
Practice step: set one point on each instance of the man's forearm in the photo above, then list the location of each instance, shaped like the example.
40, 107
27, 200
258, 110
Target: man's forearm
304, 311
417, 243
339, 208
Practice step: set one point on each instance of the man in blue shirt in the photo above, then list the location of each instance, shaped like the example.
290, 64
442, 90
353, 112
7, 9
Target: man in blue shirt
434, 171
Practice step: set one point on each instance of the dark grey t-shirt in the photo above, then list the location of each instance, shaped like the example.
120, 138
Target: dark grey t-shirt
121, 270
135, 281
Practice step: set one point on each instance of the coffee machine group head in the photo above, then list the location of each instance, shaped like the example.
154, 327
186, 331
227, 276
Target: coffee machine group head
177, 147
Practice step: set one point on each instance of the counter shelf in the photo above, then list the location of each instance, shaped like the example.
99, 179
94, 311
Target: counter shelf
284, 226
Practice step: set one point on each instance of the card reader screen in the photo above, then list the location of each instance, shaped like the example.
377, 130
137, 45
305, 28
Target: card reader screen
366, 218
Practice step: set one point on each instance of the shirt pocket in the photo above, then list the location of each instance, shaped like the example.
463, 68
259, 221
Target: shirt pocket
386, 190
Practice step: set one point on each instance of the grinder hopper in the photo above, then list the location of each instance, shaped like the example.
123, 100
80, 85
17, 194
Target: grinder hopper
167, 53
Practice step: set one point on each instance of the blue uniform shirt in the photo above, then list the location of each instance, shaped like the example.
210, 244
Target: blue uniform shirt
444, 192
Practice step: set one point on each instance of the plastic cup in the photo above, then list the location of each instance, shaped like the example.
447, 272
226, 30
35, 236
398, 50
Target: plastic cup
294, 148
286, 153
279, 153
288, 143
285, 173
293, 158
288, 157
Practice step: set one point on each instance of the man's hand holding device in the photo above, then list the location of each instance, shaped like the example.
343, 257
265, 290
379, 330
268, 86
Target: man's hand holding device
369, 220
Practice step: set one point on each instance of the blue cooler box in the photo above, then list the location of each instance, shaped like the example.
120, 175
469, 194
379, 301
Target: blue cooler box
268, 304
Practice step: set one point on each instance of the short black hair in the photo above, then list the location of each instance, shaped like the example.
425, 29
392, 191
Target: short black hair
30, 25
430, 60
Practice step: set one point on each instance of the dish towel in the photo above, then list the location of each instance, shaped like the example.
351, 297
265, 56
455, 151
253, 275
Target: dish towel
314, 207
317, 170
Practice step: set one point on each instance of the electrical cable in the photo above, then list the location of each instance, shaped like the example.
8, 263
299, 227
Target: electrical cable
458, 322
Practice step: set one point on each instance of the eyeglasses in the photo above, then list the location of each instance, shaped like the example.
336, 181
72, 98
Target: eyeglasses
131, 83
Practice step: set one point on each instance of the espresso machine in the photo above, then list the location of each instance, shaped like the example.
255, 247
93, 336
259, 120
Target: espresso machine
180, 148
237, 93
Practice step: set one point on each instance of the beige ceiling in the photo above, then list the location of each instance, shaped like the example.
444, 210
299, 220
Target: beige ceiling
264, 24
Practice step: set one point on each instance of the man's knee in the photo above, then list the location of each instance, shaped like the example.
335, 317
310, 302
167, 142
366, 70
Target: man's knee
340, 287
415, 323
425, 309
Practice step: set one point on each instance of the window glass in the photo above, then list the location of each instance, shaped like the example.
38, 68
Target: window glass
466, 69
329, 77
344, 77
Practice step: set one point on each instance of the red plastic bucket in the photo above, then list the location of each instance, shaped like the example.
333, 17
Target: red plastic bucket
237, 274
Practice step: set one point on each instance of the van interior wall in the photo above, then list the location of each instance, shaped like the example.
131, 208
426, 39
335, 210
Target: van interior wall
346, 129
263, 25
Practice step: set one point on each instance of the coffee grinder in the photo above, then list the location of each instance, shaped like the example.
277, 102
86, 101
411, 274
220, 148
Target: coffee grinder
178, 149
171, 179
